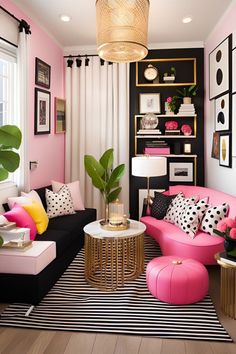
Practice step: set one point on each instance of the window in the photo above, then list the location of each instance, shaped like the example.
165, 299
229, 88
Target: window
7, 88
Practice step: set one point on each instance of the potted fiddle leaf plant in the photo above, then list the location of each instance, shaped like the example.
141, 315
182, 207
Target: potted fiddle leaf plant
104, 176
10, 140
187, 93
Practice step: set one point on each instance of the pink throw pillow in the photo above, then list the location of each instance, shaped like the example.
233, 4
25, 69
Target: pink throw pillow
74, 191
22, 219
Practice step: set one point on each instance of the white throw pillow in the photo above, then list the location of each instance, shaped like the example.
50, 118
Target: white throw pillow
74, 190
176, 207
191, 216
212, 216
60, 203
33, 195
18, 200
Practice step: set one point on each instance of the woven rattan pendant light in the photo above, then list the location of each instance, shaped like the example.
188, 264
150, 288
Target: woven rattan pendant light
122, 27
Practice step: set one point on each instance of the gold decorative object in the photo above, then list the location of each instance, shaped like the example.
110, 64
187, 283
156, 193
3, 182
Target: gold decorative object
111, 258
122, 28
116, 212
107, 226
227, 287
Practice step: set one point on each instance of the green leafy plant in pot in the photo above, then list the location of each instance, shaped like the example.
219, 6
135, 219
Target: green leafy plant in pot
10, 139
187, 93
104, 177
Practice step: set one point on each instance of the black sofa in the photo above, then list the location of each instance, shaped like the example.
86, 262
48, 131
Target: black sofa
67, 232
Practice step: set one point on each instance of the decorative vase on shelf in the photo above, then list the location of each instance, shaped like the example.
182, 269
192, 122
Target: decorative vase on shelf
230, 248
149, 121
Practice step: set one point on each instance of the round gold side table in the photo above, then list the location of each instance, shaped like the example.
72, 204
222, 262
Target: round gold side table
113, 257
227, 287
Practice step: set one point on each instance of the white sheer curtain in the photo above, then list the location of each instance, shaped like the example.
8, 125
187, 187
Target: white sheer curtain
21, 176
97, 99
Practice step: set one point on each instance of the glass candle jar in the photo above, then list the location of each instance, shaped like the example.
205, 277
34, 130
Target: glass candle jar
116, 213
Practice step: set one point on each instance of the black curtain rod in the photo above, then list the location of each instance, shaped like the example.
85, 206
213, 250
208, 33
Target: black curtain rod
10, 14
81, 56
22, 23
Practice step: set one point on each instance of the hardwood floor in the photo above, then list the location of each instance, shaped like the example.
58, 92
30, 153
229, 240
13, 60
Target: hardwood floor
24, 341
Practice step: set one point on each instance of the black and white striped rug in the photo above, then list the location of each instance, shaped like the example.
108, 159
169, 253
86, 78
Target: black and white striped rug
74, 305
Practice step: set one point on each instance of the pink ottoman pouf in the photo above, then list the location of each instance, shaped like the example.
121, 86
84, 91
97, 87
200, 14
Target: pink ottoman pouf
177, 280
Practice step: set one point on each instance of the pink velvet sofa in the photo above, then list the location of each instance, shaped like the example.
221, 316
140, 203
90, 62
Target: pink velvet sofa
174, 241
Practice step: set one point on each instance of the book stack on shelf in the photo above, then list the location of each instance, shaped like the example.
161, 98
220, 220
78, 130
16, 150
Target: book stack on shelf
186, 109
172, 131
157, 148
149, 131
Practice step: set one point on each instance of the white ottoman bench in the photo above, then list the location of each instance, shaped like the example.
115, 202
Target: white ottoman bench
30, 261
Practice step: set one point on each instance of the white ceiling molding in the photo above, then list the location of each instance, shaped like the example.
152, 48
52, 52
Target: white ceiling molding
172, 45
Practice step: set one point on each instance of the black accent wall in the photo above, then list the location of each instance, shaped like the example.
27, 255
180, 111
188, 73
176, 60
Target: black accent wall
137, 183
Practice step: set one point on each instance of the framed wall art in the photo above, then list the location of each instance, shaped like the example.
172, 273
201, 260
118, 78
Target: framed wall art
42, 73
222, 113
234, 125
149, 103
225, 150
220, 68
60, 115
215, 151
181, 172
42, 112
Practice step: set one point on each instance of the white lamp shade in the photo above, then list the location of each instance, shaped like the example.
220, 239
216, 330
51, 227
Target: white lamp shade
149, 166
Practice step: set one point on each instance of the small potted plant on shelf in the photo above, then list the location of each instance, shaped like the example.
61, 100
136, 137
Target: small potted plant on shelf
187, 93
171, 105
170, 77
186, 129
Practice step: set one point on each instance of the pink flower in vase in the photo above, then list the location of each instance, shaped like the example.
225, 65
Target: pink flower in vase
222, 226
169, 99
171, 125
232, 233
186, 129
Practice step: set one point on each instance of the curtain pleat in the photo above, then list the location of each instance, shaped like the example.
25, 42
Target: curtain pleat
97, 99
22, 175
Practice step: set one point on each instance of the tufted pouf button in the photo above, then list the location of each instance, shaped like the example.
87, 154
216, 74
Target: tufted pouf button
176, 280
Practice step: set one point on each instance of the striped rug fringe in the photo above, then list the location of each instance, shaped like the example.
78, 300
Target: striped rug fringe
73, 305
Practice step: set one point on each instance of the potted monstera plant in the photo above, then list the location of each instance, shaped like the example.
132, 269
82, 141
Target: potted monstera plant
105, 177
10, 140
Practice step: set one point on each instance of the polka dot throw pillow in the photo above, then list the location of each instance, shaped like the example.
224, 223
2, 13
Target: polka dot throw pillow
176, 207
212, 216
60, 203
191, 217
160, 205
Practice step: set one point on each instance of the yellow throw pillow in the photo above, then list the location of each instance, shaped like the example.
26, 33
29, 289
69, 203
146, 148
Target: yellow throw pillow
39, 215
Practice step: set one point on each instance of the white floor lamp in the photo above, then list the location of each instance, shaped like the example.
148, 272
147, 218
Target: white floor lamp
149, 166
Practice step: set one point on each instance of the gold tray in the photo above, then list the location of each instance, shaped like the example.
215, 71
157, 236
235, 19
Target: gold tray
109, 227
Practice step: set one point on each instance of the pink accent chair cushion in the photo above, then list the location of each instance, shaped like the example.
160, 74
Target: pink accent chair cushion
176, 280
173, 241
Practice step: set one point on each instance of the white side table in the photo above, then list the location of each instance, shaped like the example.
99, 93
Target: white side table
113, 257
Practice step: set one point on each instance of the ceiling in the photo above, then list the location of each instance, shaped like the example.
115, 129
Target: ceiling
165, 20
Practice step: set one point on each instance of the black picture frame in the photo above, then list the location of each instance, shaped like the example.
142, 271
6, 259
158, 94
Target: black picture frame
220, 69
42, 107
225, 159
42, 73
223, 113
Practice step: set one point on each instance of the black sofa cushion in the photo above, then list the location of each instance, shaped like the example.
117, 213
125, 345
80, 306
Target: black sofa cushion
73, 223
63, 239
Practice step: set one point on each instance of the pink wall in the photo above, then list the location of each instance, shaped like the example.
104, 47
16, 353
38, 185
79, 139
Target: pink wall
47, 149
216, 176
